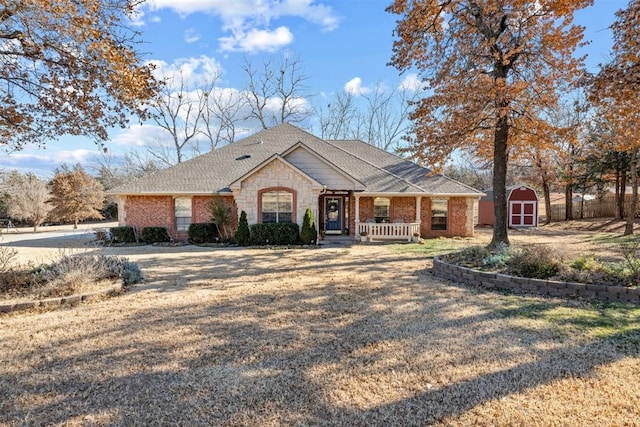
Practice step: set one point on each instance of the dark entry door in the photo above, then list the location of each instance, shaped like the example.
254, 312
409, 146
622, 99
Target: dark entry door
333, 215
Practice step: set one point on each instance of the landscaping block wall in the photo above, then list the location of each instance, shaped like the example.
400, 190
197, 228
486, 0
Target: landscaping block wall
553, 288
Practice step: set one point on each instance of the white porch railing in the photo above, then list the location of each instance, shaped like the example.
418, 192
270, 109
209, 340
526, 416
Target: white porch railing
388, 231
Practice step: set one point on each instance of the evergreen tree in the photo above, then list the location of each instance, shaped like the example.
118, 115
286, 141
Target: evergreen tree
242, 236
309, 233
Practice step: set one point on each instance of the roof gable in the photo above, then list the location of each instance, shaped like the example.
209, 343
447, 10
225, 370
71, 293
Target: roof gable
275, 158
320, 169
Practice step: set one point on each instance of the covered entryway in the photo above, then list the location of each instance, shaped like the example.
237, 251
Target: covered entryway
334, 213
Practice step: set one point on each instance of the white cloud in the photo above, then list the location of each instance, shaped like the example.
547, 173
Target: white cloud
257, 40
137, 18
191, 36
156, 19
411, 82
141, 136
354, 87
196, 71
249, 21
42, 162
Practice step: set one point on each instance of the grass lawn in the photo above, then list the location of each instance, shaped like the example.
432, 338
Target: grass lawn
334, 336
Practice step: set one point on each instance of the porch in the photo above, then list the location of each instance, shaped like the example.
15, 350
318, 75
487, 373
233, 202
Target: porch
389, 231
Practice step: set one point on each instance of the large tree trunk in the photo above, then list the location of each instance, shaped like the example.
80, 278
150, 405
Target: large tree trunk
631, 215
623, 194
568, 202
617, 198
547, 198
500, 235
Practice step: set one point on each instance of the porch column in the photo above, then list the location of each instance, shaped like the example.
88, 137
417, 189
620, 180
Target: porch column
418, 208
357, 215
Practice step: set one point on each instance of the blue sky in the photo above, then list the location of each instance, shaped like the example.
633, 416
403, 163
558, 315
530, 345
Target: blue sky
342, 44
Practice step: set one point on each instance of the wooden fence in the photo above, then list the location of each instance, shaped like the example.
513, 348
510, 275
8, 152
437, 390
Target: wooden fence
605, 208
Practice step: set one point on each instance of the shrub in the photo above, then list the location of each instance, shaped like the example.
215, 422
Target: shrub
203, 232
155, 235
7, 257
70, 272
536, 263
243, 236
221, 217
123, 234
309, 233
472, 256
275, 234
131, 272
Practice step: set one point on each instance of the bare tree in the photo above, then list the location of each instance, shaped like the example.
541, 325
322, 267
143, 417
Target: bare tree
177, 111
28, 198
380, 118
386, 117
277, 93
222, 113
336, 118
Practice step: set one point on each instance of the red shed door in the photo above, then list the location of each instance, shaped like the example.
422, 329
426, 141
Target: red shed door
522, 213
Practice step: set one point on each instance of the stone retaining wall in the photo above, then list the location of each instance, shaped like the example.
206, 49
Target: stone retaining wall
553, 288
52, 302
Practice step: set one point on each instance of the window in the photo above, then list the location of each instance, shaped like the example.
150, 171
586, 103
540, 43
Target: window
277, 206
439, 214
182, 210
381, 209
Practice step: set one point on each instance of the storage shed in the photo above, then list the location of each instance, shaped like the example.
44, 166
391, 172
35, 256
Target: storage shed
522, 205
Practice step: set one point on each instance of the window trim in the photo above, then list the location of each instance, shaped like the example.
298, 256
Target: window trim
388, 206
189, 218
294, 201
446, 216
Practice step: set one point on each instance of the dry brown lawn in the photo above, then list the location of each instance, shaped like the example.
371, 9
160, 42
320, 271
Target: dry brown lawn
361, 335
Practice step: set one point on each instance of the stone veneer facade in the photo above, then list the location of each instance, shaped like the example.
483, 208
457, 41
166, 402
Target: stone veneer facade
276, 176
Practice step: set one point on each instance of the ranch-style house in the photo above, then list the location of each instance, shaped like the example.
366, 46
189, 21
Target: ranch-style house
351, 187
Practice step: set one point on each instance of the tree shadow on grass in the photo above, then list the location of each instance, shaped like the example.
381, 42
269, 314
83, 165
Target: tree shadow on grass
324, 352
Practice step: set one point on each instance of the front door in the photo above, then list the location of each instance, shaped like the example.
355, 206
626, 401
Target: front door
333, 215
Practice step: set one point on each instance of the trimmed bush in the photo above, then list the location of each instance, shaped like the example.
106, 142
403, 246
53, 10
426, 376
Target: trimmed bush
123, 234
309, 233
155, 235
285, 233
203, 232
535, 263
243, 236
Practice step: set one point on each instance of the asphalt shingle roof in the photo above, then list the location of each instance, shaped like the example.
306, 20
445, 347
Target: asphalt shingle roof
213, 172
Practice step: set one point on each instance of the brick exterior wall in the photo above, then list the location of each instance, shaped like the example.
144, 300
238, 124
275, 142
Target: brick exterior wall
459, 221
201, 210
158, 211
352, 215
366, 208
149, 211
403, 208
144, 211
